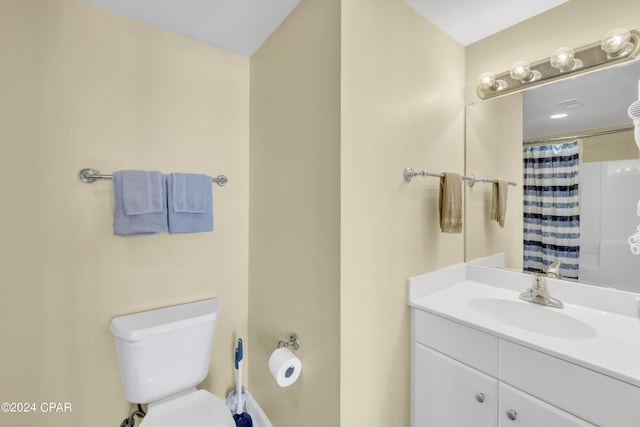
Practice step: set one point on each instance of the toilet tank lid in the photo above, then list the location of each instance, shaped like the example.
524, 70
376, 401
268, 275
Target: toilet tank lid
142, 325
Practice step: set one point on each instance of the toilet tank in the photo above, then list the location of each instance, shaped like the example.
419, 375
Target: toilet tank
165, 351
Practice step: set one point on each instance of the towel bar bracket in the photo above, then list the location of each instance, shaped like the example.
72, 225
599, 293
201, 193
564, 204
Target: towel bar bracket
221, 180
89, 175
409, 174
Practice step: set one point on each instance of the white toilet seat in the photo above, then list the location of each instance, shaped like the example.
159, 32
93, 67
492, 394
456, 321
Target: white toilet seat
196, 409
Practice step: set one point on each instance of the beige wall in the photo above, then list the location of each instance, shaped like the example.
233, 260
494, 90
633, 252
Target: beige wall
603, 148
295, 213
84, 88
402, 105
599, 148
323, 237
494, 150
575, 23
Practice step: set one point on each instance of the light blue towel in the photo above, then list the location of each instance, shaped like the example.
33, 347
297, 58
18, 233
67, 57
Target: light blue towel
190, 203
140, 203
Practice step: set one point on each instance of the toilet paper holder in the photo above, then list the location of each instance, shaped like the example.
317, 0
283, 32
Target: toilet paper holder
293, 342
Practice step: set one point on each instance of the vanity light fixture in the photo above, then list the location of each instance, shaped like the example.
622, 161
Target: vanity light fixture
616, 46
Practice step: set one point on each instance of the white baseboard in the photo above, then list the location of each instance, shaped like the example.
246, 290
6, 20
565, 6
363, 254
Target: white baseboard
257, 414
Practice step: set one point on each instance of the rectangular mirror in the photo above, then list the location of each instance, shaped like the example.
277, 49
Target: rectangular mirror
596, 107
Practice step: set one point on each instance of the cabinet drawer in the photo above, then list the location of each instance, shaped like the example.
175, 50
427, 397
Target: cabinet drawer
462, 343
592, 396
519, 409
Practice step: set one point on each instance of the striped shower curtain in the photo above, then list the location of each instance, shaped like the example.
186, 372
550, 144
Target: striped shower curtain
552, 208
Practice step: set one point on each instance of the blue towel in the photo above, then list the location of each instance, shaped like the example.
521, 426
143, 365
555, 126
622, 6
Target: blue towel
190, 202
140, 203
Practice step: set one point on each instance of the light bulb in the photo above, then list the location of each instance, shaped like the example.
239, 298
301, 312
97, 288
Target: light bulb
564, 59
487, 81
616, 43
522, 71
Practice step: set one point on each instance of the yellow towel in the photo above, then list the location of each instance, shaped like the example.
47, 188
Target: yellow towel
451, 203
499, 202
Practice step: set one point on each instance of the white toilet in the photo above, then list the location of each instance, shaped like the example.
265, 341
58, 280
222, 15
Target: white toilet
164, 354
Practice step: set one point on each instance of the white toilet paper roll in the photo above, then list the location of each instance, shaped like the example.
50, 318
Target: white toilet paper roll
284, 366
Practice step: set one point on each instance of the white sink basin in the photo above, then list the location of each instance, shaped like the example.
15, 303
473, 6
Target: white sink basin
532, 317
598, 328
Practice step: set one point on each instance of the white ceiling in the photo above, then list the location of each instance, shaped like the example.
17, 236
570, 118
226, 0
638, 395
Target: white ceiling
239, 26
468, 21
592, 101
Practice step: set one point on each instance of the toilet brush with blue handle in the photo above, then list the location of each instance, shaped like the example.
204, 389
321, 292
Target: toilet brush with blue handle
242, 419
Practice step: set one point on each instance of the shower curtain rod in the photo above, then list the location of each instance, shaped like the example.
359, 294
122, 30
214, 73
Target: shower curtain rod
90, 175
534, 141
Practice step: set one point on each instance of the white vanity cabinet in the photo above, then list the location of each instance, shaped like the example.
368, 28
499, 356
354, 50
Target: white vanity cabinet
456, 381
481, 356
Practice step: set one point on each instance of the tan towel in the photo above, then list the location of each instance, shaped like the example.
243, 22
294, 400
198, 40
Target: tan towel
499, 201
451, 203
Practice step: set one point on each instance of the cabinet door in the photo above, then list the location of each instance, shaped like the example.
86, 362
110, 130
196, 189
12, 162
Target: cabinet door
522, 410
447, 393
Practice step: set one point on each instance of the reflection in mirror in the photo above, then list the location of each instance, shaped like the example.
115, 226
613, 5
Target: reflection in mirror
593, 110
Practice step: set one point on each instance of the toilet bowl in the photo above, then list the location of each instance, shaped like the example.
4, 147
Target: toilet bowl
163, 355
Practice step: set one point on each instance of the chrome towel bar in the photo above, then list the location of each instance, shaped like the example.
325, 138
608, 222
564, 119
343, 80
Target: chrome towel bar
409, 174
90, 175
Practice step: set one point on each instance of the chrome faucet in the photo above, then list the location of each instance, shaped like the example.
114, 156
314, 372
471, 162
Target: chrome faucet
539, 293
553, 270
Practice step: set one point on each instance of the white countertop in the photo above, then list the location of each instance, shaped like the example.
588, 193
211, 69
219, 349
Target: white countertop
599, 328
